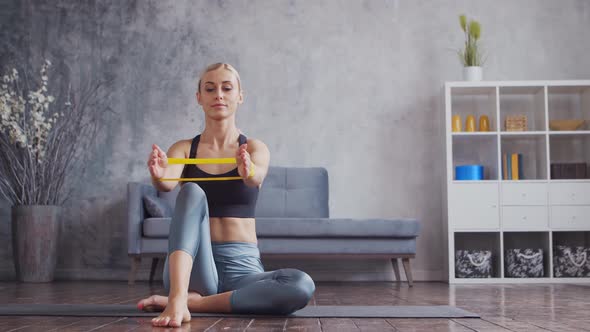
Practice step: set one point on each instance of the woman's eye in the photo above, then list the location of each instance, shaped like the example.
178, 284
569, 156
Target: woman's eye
227, 89
208, 90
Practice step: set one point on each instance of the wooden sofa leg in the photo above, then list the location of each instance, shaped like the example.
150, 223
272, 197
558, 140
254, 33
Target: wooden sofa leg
408, 270
153, 269
135, 261
396, 269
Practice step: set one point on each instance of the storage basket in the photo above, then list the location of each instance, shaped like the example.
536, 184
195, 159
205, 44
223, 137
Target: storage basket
516, 123
570, 261
473, 264
524, 263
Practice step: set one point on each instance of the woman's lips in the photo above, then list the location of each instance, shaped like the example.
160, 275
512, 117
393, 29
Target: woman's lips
218, 105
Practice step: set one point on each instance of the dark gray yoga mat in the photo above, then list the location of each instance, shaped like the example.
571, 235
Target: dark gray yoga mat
130, 310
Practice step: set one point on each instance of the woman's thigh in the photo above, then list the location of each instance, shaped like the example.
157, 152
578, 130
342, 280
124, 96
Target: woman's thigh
190, 232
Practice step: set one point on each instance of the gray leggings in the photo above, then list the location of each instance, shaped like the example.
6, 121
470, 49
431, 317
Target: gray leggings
225, 266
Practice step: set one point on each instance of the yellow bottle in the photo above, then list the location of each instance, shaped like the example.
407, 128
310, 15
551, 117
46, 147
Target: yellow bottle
456, 123
470, 123
484, 123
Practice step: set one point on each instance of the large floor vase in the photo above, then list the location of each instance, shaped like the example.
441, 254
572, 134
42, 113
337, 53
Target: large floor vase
34, 241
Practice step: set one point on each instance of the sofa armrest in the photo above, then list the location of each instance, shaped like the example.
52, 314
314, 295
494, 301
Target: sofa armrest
136, 213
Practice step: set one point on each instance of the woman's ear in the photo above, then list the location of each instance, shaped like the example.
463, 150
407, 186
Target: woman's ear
241, 100
198, 97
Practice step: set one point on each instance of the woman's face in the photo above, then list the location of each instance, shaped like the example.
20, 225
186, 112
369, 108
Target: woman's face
219, 95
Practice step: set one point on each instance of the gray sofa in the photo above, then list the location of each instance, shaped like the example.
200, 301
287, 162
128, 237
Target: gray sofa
292, 220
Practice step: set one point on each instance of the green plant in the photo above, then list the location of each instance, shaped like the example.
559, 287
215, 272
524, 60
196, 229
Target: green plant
471, 55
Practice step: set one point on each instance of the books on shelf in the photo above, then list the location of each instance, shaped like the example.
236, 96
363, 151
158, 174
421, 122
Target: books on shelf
569, 171
512, 166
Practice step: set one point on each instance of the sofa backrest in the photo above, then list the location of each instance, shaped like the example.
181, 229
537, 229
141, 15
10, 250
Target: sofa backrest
294, 192
288, 192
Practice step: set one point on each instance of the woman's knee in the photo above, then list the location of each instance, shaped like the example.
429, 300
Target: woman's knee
303, 286
191, 197
191, 191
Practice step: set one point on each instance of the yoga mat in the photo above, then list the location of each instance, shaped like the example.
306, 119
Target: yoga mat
130, 310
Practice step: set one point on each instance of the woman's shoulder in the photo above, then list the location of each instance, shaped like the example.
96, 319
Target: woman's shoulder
255, 142
183, 145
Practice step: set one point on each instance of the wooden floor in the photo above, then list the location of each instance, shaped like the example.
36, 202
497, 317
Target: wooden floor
502, 307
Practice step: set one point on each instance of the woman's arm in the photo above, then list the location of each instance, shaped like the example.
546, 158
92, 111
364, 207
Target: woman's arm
253, 159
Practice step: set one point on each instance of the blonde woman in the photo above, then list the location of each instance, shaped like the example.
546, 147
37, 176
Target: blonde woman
213, 262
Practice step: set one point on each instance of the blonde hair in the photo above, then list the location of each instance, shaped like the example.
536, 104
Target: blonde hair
215, 66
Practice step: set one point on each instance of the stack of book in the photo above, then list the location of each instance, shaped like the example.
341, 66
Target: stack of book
568, 171
512, 166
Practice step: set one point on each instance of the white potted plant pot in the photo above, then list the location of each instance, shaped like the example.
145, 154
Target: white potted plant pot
472, 73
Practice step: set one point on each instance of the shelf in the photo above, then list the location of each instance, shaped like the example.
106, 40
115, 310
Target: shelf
477, 102
570, 250
473, 91
559, 85
477, 247
523, 100
476, 149
522, 133
569, 132
569, 149
549, 280
569, 181
475, 133
533, 149
569, 102
548, 207
524, 181
520, 241
472, 230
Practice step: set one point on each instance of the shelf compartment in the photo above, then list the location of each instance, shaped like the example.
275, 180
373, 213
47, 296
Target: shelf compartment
571, 254
523, 100
569, 156
476, 101
476, 149
476, 254
533, 149
569, 103
526, 255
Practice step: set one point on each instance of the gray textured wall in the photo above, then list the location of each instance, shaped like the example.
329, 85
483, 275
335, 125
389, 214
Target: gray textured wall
354, 86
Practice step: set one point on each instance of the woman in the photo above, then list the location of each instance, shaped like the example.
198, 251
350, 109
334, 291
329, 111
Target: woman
213, 262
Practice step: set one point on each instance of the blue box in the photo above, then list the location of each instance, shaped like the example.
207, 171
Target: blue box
469, 172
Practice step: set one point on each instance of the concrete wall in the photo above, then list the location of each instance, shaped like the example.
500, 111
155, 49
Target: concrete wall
353, 86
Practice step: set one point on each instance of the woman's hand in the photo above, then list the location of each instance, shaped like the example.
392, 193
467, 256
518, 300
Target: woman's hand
157, 162
243, 161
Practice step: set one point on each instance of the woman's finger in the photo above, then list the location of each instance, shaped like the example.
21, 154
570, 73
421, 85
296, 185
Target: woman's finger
158, 150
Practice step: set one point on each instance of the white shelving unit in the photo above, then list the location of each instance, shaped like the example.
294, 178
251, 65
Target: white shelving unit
536, 211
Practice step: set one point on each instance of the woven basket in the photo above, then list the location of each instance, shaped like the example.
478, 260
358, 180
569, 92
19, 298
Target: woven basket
516, 123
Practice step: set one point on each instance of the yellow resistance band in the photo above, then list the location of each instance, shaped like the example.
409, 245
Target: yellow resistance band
202, 161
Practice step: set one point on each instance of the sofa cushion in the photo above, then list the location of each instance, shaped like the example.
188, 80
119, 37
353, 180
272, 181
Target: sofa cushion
336, 227
337, 246
297, 192
157, 207
156, 227
311, 228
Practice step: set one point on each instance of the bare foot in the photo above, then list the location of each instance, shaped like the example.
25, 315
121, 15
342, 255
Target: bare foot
175, 313
153, 303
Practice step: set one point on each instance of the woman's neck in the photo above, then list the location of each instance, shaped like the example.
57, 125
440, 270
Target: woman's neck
220, 134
